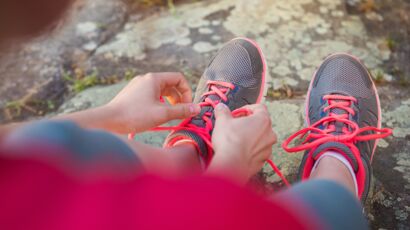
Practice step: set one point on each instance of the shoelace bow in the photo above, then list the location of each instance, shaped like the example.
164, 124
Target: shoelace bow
351, 132
220, 89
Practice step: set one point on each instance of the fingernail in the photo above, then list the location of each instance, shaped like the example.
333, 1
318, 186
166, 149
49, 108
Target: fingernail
220, 106
194, 109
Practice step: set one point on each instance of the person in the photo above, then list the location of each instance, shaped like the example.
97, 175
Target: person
78, 171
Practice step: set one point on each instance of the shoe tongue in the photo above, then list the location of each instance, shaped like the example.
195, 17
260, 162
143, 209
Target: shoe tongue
338, 147
338, 125
198, 120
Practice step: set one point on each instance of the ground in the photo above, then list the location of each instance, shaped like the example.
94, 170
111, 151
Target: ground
106, 41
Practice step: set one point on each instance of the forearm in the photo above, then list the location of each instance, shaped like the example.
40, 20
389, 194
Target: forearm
137, 107
227, 168
176, 161
8, 128
170, 162
96, 118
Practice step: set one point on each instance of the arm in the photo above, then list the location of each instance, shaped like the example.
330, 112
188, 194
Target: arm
136, 108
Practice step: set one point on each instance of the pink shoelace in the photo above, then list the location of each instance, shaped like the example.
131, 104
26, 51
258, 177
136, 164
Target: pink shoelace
352, 133
220, 89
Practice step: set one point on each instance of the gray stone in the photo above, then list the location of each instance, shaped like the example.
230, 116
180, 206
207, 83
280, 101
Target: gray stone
85, 28
354, 2
90, 46
321, 30
205, 30
306, 74
216, 37
36, 65
92, 97
197, 22
403, 165
286, 119
216, 22
323, 10
374, 16
184, 42
337, 13
125, 45
204, 47
280, 82
400, 119
353, 27
152, 138
401, 214
383, 144
282, 70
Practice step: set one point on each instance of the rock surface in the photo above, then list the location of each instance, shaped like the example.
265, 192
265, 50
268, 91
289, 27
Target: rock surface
295, 36
40, 64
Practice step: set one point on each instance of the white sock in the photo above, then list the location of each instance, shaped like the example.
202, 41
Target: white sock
342, 159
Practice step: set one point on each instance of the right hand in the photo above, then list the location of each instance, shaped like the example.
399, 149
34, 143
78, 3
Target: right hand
242, 144
138, 107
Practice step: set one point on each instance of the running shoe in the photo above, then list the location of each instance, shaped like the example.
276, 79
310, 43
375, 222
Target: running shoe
235, 77
343, 114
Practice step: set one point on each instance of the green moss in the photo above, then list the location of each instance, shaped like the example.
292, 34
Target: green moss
129, 74
391, 43
16, 106
284, 92
171, 6
50, 105
80, 83
403, 81
379, 76
401, 78
150, 3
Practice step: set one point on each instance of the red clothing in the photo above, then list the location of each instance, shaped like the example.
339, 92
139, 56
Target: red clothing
38, 195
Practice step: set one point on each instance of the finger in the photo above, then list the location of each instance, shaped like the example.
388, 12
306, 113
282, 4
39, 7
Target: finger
263, 154
172, 95
273, 137
256, 108
180, 111
262, 147
177, 80
267, 153
266, 140
222, 112
265, 133
259, 118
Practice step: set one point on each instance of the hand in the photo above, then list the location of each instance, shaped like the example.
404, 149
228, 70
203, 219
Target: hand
242, 144
138, 108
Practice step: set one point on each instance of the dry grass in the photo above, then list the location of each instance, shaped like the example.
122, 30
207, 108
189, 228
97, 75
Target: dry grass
368, 6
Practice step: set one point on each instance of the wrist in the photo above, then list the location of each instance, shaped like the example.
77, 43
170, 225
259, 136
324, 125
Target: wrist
114, 119
230, 168
227, 154
227, 160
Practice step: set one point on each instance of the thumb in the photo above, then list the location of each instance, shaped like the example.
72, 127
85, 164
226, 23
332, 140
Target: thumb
181, 111
222, 112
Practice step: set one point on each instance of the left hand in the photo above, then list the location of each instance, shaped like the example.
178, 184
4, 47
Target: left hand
242, 155
138, 107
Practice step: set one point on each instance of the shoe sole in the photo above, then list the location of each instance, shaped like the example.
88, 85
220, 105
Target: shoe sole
379, 121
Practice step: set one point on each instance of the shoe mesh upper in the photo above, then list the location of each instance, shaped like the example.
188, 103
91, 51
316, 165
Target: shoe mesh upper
233, 64
344, 75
